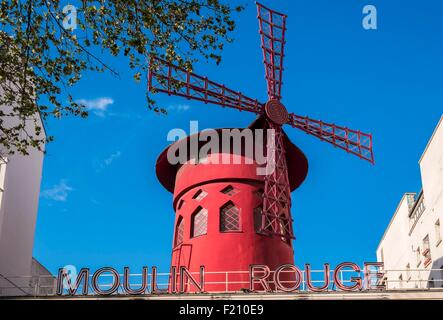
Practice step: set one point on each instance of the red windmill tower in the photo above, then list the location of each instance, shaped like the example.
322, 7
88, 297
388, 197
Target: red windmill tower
228, 216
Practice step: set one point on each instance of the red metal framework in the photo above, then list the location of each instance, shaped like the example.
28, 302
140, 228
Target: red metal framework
276, 214
173, 80
353, 141
272, 33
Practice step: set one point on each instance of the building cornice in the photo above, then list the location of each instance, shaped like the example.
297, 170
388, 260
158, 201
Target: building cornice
393, 217
440, 122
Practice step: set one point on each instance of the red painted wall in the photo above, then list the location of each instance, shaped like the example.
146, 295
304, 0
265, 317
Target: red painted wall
223, 251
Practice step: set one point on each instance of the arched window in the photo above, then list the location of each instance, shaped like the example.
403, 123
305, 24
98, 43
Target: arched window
179, 231
199, 222
229, 218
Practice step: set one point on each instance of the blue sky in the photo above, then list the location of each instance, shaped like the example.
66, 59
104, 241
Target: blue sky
101, 203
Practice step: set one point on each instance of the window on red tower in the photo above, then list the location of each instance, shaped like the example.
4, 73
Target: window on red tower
199, 195
229, 217
229, 190
284, 229
260, 221
180, 204
199, 222
179, 231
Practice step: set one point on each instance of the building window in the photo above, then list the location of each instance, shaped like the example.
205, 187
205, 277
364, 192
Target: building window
437, 233
229, 218
284, 229
418, 256
199, 222
258, 217
199, 195
229, 190
426, 251
179, 231
408, 272
261, 220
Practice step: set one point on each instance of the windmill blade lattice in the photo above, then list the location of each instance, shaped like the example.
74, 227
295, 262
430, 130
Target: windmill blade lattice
272, 33
275, 212
353, 141
173, 80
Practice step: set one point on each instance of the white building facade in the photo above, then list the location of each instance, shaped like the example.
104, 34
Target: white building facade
20, 178
411, 247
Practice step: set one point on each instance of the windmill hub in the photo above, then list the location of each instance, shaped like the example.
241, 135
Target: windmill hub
276, 112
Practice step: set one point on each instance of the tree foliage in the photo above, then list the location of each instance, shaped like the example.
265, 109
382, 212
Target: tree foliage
40, 59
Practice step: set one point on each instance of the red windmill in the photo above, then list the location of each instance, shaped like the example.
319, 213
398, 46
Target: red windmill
262, 230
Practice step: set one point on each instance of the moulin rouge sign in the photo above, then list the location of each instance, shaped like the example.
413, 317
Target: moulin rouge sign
261, 279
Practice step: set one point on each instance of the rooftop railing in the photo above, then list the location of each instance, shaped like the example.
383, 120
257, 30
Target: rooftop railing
226, 282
